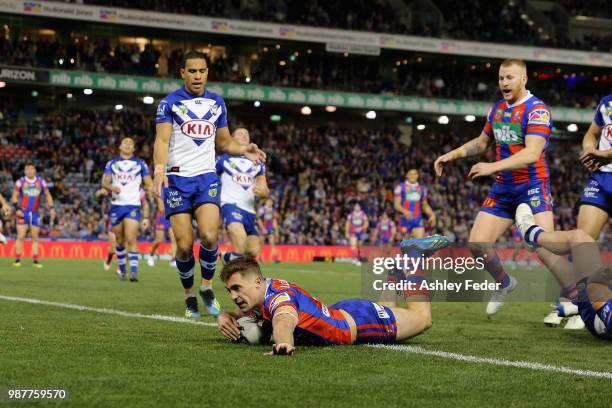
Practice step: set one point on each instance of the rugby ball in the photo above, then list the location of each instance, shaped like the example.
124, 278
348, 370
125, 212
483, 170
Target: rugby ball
254, 331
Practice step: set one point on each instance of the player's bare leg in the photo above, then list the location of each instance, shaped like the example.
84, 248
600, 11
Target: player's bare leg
273, 250
185, 262
418, 232
485, 232
130, 231
238, 238
253, 245
121, 250
158, 238
172, 246
35, 234
112, 248
592, 220
208, 217
22, 230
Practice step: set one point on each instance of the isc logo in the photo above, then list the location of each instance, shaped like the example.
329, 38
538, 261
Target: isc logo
245, 180
198, 129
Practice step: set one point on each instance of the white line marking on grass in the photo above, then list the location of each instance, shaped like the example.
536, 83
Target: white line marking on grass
399, 347
175, 319
495, 361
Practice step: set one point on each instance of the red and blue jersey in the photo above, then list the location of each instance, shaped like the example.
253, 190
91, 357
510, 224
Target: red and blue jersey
266, 215
412, 196
510, 125
357, 220
385, 230
30, 192
317, 324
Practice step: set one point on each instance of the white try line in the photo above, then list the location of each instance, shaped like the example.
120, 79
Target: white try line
399, 347
494, 361
175, 319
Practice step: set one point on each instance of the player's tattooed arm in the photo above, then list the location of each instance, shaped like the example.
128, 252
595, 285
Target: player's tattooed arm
283, 324
591, 157
474, 147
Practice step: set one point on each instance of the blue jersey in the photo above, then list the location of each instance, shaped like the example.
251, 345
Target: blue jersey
195, 120
603, 119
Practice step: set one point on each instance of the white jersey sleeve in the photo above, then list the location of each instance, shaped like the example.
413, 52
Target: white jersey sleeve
603, 119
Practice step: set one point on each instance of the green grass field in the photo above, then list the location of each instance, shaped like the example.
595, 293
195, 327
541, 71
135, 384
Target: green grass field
109, 360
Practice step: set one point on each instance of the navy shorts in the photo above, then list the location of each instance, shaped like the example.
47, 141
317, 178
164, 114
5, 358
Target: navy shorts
598, 191
232, 213
185, 194
31, 218
407, 225
120, 212
504, 198
375, 323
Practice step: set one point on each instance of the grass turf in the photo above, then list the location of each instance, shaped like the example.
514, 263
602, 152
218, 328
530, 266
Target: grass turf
107, 360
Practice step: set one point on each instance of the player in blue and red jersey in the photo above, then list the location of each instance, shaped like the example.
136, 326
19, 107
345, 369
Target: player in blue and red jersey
411, 202
385, 233
267, 219
356, 231
519, 126
299, 318
27, 196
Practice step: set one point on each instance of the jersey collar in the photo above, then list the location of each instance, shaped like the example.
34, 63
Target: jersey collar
521, 101
29, 180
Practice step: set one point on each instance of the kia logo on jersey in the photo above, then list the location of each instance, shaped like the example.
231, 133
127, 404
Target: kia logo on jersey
245, 180
125, 178
199, 129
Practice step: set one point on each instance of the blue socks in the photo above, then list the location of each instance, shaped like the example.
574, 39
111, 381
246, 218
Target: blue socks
208, 262
532, 234
121, 258
186, 269
133, 257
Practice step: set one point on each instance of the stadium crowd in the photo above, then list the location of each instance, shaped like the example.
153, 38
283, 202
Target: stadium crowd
478, 20
315, 172
391, 76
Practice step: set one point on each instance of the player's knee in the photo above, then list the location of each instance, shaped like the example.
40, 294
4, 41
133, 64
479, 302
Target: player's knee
209, 238
479, 249
579, 236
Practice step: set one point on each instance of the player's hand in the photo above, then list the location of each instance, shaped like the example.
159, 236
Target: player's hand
260, 191
442, 161
432, 221
115, 190
145, 223
281, 349
482, 170
228, 326
593, 158
7, 210
255, 154
160, 180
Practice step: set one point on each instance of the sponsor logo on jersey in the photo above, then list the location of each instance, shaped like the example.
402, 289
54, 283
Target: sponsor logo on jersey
539, 117
506, 135
244, 180
517, 115
533, 191
498, 114
278, 299
198, 129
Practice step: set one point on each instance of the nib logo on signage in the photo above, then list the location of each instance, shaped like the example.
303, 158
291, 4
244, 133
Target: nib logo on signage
198, 116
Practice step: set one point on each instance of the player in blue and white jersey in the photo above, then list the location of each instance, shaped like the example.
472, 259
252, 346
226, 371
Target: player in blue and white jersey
123, 176
241, 181
191, 123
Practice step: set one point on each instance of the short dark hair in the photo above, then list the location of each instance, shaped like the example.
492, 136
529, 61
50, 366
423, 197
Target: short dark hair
243, 265
192, 54
29, 163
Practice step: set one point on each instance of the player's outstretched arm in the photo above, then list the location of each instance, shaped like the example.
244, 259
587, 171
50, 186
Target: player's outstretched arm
226, 143
283, 324
474, 147
534, 146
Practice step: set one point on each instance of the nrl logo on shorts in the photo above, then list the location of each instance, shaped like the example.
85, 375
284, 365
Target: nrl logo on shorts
535, 201
212, 192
